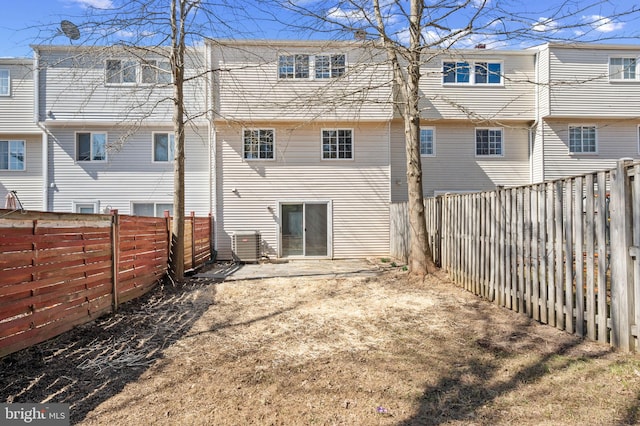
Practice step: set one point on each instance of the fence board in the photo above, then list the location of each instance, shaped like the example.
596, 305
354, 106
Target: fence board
589, 221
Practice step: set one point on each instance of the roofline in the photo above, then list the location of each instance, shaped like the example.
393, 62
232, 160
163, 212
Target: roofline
586, 46
16, 61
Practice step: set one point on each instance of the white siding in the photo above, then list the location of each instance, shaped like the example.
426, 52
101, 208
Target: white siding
72, 87
543, 86
27, 183
580, 84
129, 175
17, 110
456, 167
358, 189
537, 160
515, 100
248, 87
615, 140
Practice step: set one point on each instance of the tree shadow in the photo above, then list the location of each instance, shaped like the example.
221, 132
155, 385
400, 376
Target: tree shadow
473, 382
95, 361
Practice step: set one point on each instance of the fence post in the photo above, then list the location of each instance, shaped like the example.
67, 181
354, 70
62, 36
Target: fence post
167, 218
115, 256
193, 240
621, 262
211, 236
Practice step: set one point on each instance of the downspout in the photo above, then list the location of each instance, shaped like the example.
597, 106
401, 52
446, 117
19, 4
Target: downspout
45, 132
533, 127
213, 147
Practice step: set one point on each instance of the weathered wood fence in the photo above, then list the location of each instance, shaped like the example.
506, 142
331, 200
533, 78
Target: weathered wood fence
58, 270
565, 253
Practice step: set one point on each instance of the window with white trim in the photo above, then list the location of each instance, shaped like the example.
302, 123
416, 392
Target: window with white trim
155, 72
12, 155
489, 142
151, 209
623, 69
337, 144
91, 146
130, 71
330, 66
86, 207
5, 83
582, 139
293, 66
466, 72
258, 144
427, 141
163, 147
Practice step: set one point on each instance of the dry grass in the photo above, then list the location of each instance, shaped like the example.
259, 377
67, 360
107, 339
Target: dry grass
381, 350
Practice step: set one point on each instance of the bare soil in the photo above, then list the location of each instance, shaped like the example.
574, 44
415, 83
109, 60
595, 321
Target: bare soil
352, 350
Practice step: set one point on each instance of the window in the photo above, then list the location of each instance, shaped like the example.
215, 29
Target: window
121, 72
86, 207
582, 139
12, 155
151, 209
472, 72
156, 72
163, 147
293, 66
91, 146
330, 66
258, 144
622, 69
5, 83
337, 144
427, 142
489, 142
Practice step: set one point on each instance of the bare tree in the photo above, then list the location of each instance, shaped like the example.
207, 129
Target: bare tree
169, 28
413, 36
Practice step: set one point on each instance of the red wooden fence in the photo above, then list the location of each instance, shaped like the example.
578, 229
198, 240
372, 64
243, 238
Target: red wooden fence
58, 270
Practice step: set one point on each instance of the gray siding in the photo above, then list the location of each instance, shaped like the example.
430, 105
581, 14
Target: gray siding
456, 167
129, 175
580, 84
513, 100
73, 88
27, 183
615, 140
358, 189
248, 87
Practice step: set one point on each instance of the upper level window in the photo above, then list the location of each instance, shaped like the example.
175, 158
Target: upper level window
623, 69
154, 71
489, 142
293, 66
5, 83
121, 71
427, 141
12, 155
91, 146
582, 139
330, 66
480, 72
163, 147
337, 144
258, 144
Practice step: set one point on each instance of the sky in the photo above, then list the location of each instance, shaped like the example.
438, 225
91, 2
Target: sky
28, 22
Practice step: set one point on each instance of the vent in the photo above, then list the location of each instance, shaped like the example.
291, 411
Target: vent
246, 246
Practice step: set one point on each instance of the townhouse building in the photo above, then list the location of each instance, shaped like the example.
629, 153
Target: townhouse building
300, 140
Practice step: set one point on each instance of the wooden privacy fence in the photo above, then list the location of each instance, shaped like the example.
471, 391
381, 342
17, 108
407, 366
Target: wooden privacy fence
59, 270
565, 253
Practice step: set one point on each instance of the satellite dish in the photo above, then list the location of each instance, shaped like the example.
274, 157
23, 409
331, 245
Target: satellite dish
70, 29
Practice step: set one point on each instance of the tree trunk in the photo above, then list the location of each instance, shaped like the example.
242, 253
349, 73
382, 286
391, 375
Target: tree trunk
177, 65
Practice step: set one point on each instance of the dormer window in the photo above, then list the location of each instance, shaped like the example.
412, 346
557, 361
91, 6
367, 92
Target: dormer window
303, 66
5, 83
623, 69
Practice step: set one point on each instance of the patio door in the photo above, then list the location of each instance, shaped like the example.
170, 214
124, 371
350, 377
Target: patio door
304, 229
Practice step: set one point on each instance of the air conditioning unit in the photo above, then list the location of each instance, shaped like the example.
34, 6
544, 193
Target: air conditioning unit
246, 246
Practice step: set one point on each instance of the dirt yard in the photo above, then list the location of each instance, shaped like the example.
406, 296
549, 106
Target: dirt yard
352, 350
